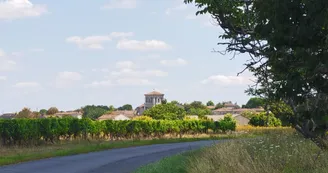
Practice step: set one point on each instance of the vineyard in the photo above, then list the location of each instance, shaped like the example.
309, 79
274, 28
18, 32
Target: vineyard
52, 130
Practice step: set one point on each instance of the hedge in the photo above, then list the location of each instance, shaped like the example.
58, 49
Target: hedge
34, 131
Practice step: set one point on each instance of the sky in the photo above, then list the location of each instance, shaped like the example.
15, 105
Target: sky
111, 52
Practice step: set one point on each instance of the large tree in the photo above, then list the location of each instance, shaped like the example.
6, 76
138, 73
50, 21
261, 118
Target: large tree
195, 105
126, 107
210, 103
169, 111
26, 113
94, 112
219, 105
254, 102
287, 43
52, 111
43, 111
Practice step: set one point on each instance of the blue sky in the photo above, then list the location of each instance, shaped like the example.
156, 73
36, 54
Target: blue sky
73, 53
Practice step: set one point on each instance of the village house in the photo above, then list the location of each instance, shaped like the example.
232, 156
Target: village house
234, 109
68, 113
210, 107
118, 115
8, 116
240, 120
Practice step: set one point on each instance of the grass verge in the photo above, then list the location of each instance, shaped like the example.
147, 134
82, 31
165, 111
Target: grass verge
12, 155
279, 152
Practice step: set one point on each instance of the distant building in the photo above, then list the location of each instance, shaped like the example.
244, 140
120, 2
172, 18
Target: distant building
210, 107
118, 115
223, 111
151, 99
231, 108
70, 113
8, 116
229, 104
240, 120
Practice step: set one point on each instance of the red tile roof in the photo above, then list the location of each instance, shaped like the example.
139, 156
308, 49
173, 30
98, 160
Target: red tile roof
154, 93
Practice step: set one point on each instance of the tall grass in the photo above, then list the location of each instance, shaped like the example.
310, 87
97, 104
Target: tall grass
279, 151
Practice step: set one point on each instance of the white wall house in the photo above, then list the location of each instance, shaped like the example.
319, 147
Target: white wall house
121, 117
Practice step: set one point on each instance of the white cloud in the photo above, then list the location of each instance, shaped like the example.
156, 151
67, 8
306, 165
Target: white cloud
126, 72
176, 62
128, 69
96, 41
3, 78
228, 80
91, 42
67, 79
15, 9
120, 82
121, 4
5, 63
134, 82
27, 85
147, 45
126, 64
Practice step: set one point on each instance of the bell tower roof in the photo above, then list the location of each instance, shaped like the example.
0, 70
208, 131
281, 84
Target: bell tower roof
154, 93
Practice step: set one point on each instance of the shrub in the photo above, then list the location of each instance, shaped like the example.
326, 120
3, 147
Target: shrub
262, 119
228, 123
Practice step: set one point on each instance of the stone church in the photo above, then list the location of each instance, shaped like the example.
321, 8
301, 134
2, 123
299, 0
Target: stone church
151, 99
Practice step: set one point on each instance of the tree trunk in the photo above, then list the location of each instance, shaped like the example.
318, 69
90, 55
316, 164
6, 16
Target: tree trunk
319, 141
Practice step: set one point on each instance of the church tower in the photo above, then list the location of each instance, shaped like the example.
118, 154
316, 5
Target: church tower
153, 98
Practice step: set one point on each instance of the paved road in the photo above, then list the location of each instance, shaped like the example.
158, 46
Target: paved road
122, 160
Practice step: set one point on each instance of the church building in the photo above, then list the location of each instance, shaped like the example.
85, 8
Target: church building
151, 99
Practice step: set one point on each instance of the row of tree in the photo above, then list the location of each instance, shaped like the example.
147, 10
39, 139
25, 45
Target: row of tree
88, 111
27, 113
95, 111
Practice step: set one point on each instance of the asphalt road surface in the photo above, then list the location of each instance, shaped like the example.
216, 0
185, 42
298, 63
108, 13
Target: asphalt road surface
124, 160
